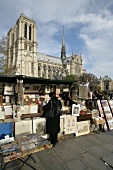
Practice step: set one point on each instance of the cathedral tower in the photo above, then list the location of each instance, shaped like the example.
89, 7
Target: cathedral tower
63, 50
22, 47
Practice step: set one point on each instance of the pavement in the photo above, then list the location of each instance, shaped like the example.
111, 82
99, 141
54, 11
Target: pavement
93, 151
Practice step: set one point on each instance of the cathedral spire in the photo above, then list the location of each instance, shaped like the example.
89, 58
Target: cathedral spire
63, 50
72, 55
63, 44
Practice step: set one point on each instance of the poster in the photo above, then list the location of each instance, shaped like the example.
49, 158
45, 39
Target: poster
24, 127
83, 128
84, 92
71, 124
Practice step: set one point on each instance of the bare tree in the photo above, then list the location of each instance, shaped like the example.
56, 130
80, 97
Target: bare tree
2, 54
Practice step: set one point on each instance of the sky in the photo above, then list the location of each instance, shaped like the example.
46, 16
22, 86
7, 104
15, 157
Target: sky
88, 29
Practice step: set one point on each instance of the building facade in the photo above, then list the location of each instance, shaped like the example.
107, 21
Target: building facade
23, 57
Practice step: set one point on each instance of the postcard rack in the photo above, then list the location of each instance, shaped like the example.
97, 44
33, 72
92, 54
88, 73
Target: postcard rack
106, 113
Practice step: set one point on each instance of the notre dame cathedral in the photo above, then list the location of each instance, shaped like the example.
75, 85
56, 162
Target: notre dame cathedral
23, 58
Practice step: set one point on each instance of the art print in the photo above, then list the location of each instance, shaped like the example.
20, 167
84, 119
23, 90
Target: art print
22, 128
70, 125
104, 103
39, 126
76, 110
83, 128
62, 123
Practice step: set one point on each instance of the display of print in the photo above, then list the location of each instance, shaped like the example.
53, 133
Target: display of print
83, 128
62, 122
9, 90
39, 126
104, 103
76, 109
111, 105
99, 104
24, 127
8, 110
83, 91
110, 124
33, 108
100, 109
106, 110
71, 124
109, 116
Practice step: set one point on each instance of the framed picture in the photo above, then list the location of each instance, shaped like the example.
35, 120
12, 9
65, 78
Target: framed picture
99, 104
83, 128
111, 103
22, 128
71, 124
39, 126
104, 103
106, 110
76, 109
109, 116
33, 108
9, 90
84, 92
8, 110
110, 124
62, 122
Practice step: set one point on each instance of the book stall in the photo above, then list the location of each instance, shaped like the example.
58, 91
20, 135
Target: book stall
22, 128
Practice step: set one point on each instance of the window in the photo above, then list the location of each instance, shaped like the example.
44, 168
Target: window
32, 68
30, 48
25, 31
29, 32
25, 46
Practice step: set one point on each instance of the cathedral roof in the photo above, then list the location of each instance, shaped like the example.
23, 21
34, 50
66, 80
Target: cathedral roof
48, 58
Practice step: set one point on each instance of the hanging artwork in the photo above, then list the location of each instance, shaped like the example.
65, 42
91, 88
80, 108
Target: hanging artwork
111, 105
9, 90
84, 91
104, 103
75, 109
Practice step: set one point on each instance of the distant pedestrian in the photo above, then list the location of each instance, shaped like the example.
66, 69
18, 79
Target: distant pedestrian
110, 95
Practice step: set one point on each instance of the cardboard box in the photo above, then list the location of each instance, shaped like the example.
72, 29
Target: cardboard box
98, 121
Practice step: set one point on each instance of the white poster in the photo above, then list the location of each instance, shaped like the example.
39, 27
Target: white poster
8, 110
62, 122
9, 90
24, 127
33, 108
71, 124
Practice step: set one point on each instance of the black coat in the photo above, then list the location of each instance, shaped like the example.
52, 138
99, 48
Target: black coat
52, 124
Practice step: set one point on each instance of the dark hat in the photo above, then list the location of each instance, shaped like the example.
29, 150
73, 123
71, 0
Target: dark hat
52, 94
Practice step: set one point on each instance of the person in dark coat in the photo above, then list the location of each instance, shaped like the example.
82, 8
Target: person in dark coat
98, 95
65, 96
53, 123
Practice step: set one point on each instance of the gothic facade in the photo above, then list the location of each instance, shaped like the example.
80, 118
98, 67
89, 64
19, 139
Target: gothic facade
23, 58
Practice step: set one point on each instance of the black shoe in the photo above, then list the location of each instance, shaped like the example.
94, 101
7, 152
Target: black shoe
53, 145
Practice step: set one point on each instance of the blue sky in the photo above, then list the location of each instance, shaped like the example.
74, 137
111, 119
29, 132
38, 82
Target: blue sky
88, 28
